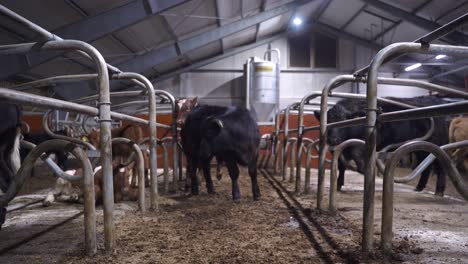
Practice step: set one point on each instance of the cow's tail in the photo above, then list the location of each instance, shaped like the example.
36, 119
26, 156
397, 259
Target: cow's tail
15, 157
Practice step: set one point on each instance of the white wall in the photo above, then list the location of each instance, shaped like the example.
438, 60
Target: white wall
226, 87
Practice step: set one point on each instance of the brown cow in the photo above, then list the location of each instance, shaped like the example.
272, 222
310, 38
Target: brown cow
121, 152
132, 132
66, 191
458, 131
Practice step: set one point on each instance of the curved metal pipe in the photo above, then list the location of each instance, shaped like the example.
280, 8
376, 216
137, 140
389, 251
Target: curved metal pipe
371, 118
176, 154
387, 197
334, 167
275, 140
88, 184
428, 161
27, 127
162, 143
45, 125
285, 138
297, 185
140, 168
309, 157
50, 163
143, 82
292, 141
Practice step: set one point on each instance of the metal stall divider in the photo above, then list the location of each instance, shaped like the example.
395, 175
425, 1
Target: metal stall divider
371, 118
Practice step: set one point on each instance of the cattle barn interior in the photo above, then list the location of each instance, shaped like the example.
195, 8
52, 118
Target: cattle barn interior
216, 131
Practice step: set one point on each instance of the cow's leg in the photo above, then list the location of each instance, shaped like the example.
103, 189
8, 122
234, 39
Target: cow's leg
234, 174
192, 173
253, 177
206, 166
441, 177
424, 175
219, 176
341, 173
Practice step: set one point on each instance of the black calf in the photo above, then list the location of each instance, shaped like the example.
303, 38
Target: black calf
228, 133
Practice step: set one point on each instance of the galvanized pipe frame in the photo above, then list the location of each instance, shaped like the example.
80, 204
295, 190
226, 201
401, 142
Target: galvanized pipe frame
340, 80
104, 115
334, 167
387, 193
301, 148
309, 157
45, 125
50, 163
285, 138
140, 167
88, 185
162, 143
148, 86
371, 119
263, 163
162, 94
428, 161
426, 39
290, 145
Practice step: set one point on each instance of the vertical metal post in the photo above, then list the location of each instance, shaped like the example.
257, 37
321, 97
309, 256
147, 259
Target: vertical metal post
145, 83
276, 141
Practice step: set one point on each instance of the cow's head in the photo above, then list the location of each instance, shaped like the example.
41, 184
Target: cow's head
183, 107
337, 113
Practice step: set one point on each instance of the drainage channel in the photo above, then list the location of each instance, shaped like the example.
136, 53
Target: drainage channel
323, 243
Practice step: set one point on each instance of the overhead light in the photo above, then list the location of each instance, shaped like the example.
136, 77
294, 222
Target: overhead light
440, 56
297, 21
412, 67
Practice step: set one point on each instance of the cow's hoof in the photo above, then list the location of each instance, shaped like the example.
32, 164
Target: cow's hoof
441, 194
256, 198
418, 189
211, 192
236, 200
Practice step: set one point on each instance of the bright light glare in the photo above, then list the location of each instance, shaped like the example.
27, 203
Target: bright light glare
440, 56
297, 21
412, 67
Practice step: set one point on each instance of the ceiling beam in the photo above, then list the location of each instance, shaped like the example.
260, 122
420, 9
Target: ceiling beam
451, 10
320, 9
396, 24
227, 53
262, 9
264, 41
454, 37
351, 19
95, 27
142, 62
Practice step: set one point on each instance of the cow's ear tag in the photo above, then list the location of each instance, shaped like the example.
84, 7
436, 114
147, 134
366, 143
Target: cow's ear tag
220, 123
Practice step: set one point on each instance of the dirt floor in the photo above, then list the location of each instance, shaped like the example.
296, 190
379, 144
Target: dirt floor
280, 228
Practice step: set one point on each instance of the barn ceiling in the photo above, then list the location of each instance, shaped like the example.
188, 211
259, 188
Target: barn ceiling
161, 38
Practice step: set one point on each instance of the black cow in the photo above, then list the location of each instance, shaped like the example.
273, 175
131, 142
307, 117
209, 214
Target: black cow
38, 138
10, 132
228, 133
387, 134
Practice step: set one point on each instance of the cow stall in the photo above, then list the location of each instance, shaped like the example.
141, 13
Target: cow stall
282, 218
